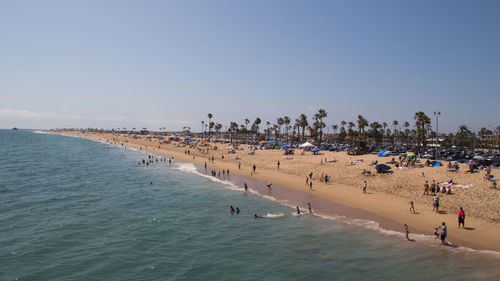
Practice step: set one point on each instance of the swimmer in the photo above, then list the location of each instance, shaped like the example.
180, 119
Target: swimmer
151, 183
231, 209
237, 210
257, 216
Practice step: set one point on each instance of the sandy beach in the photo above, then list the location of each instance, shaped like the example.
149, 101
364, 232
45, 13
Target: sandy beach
387, 197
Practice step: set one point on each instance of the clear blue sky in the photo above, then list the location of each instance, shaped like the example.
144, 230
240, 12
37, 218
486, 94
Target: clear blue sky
169, 63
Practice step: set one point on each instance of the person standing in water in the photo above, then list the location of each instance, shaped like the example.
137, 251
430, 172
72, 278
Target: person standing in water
298, 210
231, 210
444, 232
407, 232
246, 186
309, 207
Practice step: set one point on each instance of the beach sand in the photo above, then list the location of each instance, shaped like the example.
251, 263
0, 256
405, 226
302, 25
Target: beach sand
387, 201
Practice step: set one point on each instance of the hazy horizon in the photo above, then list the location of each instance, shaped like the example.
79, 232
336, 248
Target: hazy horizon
68, 64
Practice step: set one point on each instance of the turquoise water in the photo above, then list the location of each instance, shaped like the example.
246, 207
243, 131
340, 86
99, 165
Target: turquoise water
76, 209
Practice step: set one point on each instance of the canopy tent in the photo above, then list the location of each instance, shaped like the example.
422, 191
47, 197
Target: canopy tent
383, 153
306, 144
382, 168
436, 164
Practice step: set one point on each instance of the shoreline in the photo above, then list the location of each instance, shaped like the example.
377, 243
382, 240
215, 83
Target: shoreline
342, 203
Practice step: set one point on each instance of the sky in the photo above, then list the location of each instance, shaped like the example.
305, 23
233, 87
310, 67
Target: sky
108, 64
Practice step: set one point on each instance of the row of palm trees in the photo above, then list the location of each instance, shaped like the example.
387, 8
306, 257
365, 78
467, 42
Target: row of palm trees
348, 131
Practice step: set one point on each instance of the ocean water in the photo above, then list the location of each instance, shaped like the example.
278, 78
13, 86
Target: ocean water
77, 209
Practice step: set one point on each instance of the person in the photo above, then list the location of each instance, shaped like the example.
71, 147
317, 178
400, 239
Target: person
254, 167
444, 232
239, 165
246, 186
426, 188
298, 210
407, 232
257, 216
311, 185
269, 186
231, 209
436, 233
278, 165
311, 175
461, 217
433, 187
436, 204
309, 207
364, 187
307, 180
412, 207
205, 166
237, 210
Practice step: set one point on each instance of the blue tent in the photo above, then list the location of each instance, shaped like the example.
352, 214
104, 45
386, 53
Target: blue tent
285, 146
382, 153
315, 150
272, 141
382, 168
188, 137
436, 164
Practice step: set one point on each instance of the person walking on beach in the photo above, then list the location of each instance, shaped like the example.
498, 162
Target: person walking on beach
364, 187
309, 207
239, 165
444, 232
407, 232
254, 168
307, 180
278, 165
461, 217
310, 185
433, 187
412, 207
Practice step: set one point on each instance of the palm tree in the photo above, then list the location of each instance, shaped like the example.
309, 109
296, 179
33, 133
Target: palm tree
210, 115
421, 121
395, 124
384, 125
407, 132
233, 128
218, 126
362, 123
280, 121
256, 124
303, 124
246, 123
286, 119
320, 115
202, 123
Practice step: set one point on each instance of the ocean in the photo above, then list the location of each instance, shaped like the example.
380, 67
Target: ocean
78, 209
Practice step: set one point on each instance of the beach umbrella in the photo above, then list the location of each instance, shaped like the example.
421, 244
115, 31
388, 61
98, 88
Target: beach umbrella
382, 153
285, 146
272, 141
188, 137
315, 149
410, 153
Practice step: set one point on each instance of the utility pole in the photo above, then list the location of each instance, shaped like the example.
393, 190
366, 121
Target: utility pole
437, 131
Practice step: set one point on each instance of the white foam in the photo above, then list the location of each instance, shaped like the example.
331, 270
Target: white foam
274, 216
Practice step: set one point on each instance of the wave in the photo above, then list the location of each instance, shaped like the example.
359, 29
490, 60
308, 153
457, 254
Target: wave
274, 216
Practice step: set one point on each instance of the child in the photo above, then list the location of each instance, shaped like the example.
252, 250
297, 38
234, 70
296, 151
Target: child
436, 233
412, 207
